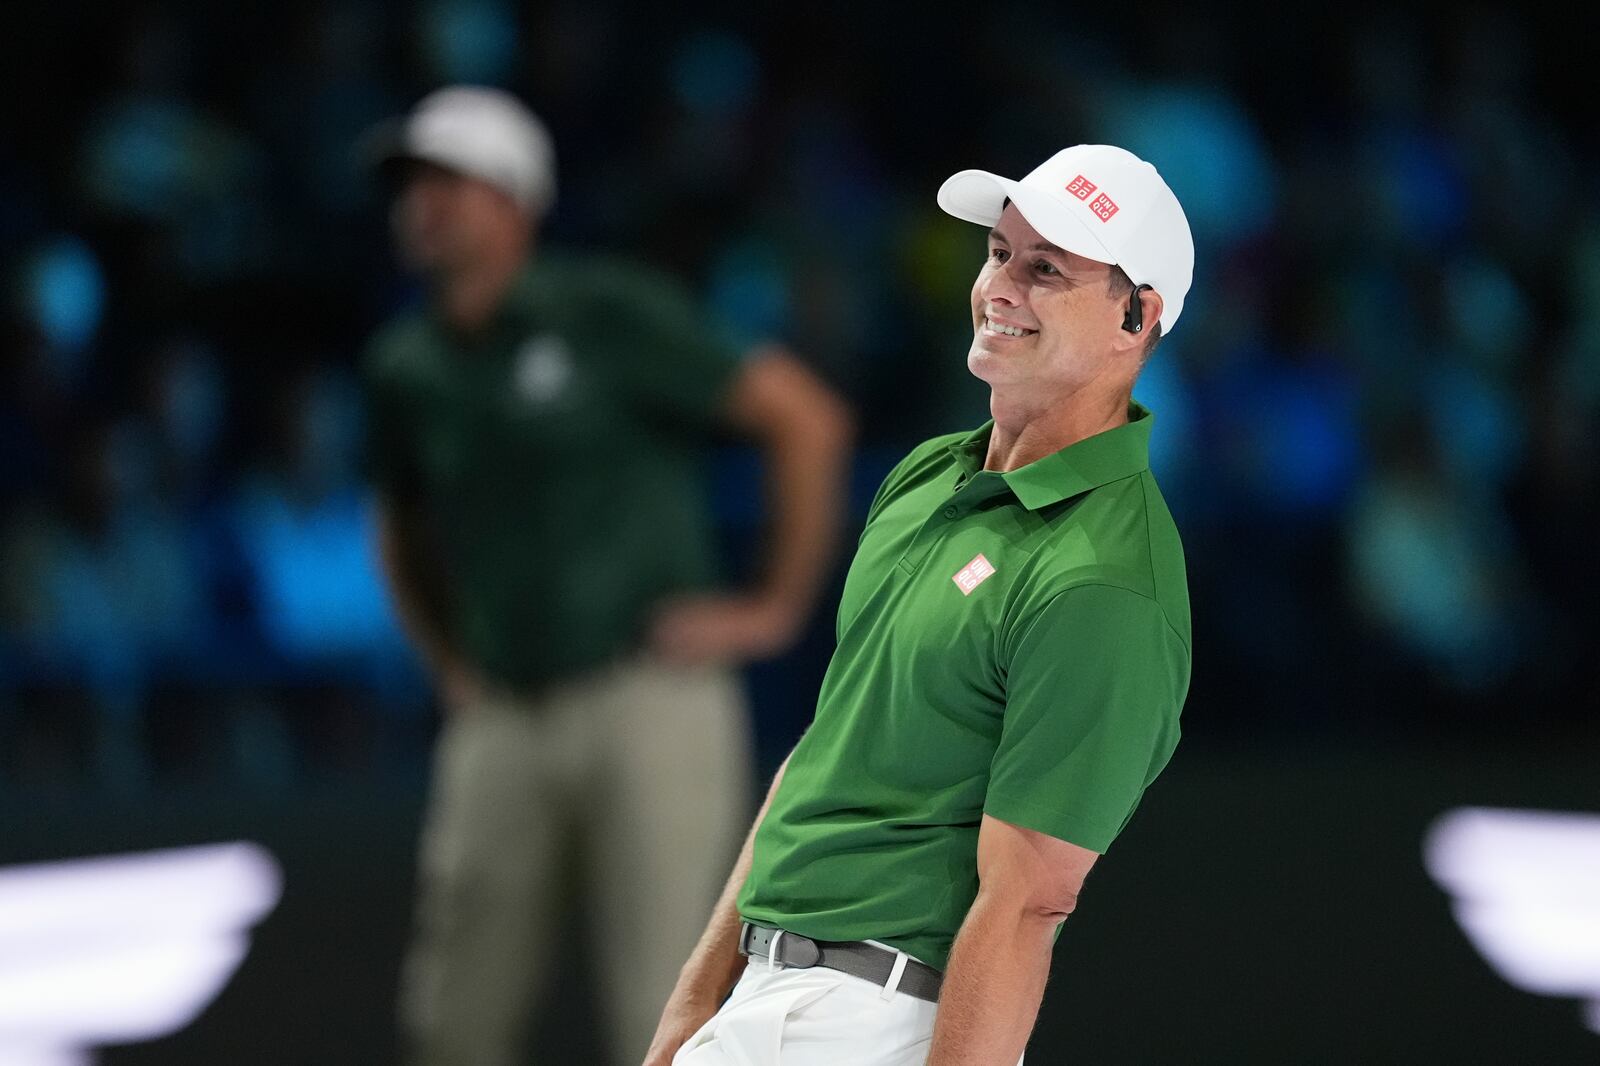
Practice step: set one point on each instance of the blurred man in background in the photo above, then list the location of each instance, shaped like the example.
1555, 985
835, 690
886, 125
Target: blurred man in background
537, 430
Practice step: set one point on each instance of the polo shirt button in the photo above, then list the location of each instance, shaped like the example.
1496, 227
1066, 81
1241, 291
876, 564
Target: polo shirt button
950, 512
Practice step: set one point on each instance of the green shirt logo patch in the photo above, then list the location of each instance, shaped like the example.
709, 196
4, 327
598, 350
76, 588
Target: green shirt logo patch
543, 369
973, 574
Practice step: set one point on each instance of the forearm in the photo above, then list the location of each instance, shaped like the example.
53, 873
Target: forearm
806, 433
418, 614
805, 490
993, 985
714, 965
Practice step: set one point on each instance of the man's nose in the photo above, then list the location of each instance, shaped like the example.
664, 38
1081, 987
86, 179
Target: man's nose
1000, 286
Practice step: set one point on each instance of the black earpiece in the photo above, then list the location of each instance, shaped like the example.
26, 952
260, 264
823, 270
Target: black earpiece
1133, 321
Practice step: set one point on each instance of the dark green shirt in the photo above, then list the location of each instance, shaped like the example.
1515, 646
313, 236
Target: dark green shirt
552, 463
1014, 644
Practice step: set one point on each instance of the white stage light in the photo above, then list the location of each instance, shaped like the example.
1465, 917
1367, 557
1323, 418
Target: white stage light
123, 948
1526, 889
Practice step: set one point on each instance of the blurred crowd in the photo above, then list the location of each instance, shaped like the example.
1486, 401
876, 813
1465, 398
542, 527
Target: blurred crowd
1375, 428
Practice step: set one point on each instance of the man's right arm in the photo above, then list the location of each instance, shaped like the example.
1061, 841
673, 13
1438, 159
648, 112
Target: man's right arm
419, 611
714, 965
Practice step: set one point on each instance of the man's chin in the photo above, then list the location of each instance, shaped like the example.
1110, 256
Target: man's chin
990, 366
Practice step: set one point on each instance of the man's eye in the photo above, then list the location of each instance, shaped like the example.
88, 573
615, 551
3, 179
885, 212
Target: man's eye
1045, 267
997, 254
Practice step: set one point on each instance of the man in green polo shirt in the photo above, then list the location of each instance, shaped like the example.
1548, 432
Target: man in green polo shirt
537, 436
1013, 654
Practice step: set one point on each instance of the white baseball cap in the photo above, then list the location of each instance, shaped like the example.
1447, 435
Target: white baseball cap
1101, 202
487, 133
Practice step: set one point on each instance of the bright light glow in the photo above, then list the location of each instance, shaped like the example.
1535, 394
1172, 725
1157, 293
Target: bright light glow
1526, 888
13, 1055
118, 992
215, 887
113, 950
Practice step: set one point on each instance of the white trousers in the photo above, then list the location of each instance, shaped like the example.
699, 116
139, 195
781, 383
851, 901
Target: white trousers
815, 1017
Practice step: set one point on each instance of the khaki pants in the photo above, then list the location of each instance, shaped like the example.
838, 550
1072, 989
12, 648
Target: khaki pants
650, 765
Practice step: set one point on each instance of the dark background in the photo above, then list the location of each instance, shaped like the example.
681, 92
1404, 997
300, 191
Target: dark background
1375, 426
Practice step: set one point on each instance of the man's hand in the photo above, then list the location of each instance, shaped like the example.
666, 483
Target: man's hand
460, 686
683, 1016
723, 629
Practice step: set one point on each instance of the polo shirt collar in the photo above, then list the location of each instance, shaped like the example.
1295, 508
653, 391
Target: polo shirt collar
1077, 468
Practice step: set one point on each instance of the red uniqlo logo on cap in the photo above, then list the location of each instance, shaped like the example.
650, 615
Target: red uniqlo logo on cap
1081, 187
973, 574
1104, 206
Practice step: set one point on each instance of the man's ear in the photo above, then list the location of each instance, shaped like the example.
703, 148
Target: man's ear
1150, 306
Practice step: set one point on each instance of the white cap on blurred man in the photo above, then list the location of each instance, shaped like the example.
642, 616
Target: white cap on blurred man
1101, 202
486, 133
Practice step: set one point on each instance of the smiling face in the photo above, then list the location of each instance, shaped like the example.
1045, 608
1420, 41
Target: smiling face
1044, 319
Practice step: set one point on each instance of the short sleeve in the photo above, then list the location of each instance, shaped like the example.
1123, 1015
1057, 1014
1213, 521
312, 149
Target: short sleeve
1094, 686
682, 362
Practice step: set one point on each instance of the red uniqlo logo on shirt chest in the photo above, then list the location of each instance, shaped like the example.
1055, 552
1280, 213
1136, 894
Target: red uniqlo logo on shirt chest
1081, 187
973, 574
1104, 207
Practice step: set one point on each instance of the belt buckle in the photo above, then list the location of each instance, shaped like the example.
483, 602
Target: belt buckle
804, 952
785, 950
792, 951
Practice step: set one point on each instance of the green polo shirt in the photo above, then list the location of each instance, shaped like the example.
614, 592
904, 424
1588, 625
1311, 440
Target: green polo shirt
1015, 644
552, 463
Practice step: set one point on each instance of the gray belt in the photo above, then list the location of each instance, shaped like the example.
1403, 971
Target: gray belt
856, 958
